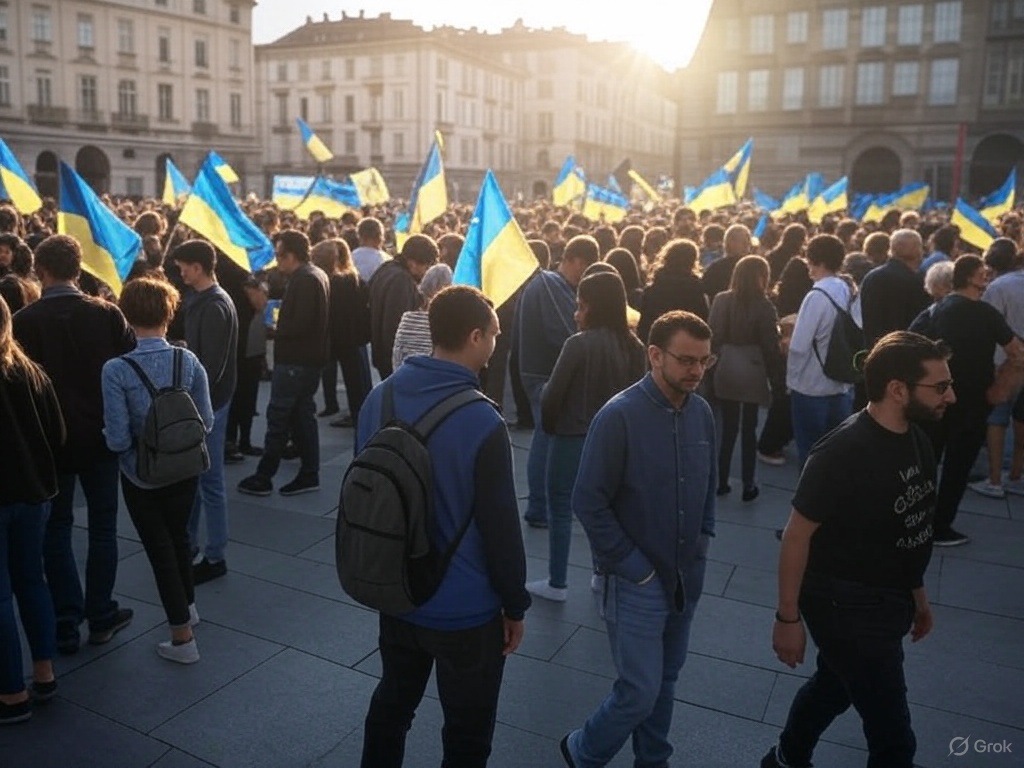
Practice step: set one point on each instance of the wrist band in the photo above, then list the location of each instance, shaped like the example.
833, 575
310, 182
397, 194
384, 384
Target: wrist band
797, 620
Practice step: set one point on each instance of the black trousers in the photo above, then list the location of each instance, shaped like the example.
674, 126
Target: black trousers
470, 666
777, 431
355, 372
243, 403
956, 439
733, 413
160, 515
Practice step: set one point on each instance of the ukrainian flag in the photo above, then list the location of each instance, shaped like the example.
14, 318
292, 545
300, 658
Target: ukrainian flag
313, 143
973, 227
829, 201
331, 198
570, 184
764, 202
109, 246
212, 212
738, 167
640, 181
224, 170
800, 197
717, 191
429, 194
604, 203
15, 185
176, 186
496, 257
1002, 200
762, 225
371, 187
288, 192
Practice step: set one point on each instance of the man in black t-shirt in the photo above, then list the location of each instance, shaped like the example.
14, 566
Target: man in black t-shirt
854, 554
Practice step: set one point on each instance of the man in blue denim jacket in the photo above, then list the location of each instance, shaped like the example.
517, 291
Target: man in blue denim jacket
645, 495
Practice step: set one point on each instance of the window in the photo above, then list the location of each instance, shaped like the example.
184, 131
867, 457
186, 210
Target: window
546, 125
282, 108
350, 69
304, 108
303, 70
125, 36
234, 14
441, 104
199, 6
201, 59
165, 102
87, 93
202, 105
905, 77
942, 88
126, 98
163, 45
545, 89
282, 71
733, 35
44, 89
793, 89
325, 107
870, 83
399, 104
234, 54
399, 68
947, 22
830, 86
833, 29
442, 68
1004, 74
236, 110
399, 143
728, 85
133, 186
872, 27
42, 25
3, 24
5, 86
762, 34
350, 142
375, 143
325, 69
376, 68
86, 38
464, 151
350, 109
757, 90
796, 27
911, 20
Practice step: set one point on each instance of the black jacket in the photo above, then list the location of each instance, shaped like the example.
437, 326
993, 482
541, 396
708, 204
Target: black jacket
393, 292
211, 332
33, 432
891, 296
301, 337
349, 313
669, 292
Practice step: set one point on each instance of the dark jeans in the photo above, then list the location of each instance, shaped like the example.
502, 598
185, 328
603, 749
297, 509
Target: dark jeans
731, 411
292, 412
859, 633
355, 372
777, 431
524, 414
957, 438
160, 515
99, 483
243, 402
470, 665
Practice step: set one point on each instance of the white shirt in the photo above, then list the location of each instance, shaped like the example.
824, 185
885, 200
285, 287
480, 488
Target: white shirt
1006, 293
367, 260
814, 321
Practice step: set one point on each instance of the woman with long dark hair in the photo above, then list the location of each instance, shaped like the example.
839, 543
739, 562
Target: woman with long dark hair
675, 284
600, 361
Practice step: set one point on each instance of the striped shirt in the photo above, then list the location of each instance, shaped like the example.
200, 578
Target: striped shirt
412, 337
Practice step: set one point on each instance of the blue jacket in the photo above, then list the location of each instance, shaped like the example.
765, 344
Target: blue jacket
472, 460
544, 320
645, 492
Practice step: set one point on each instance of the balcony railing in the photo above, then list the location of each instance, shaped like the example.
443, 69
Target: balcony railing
204, 129
47, 115
90, 118
129, 121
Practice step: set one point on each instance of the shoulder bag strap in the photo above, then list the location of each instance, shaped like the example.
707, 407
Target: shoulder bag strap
141, 374
179, 364
432, 419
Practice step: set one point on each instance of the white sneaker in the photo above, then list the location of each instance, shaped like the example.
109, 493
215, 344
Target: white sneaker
1016, 487
193, 615
543, 589
597, 583
772, 460
186, 653
985, 488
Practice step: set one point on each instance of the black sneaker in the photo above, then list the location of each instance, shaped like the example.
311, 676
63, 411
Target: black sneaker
205, 571
233, 456
122, 619
251, 450
330, 410
256, 485
751, 493
563, 746
301, 484
15, 713
344, 422
41, 693
950, 538
68, 639
770, 760
290, 452
536, 522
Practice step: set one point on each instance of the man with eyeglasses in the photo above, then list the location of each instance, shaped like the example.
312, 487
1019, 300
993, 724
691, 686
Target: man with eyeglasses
854, 553
645, 495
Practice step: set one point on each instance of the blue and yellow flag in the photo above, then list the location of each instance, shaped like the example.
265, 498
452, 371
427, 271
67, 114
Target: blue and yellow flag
15, 185
738, 167
717, 191
225, 171
289, 191
212, 212
831, 200
109, 246
764, 201
973, 227
313, 143
176, 186
570, 184
601, 203
371, 187
800, 197
331, 198
496, 257
1001, 201
652, 194
912, 197
429, 194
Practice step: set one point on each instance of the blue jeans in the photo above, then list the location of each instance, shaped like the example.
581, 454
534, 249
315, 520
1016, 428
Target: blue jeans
212, 497
649, 641
564, 453
537, 463
292, 411
22, 528
99, 483
814, 416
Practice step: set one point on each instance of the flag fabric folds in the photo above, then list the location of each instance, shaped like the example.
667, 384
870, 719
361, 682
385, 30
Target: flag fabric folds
176, 186
831, 200
313, 143
371, 187
15, 185
973, 227
640, 181
430, 193
802, 194
1001, 201
496, 257
738, 168
331, 198
570, 184
225, 171
604, 203
288, 191
765, 202
912, 197
212, 212
762, 225
109, 246
717, 191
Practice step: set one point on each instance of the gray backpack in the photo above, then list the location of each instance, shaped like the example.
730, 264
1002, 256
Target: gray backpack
172, 446
384, 546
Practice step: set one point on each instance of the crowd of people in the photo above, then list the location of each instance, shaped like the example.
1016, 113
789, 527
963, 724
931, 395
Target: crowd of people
639, 354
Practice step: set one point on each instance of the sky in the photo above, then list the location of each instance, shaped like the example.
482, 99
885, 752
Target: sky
666, 31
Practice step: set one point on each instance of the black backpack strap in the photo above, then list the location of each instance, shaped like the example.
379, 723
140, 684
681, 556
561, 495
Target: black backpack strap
141, 374
179, 364
432, 419
832, 301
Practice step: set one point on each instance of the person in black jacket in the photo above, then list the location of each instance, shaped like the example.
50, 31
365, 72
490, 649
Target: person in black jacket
893, 294
300, 351
791, 244
33, 431
675, 284
719, 273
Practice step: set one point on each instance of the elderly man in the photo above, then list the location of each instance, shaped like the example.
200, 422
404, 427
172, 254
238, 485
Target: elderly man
893, 294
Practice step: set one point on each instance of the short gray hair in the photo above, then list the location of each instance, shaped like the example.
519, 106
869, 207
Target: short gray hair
939, 278
438, 277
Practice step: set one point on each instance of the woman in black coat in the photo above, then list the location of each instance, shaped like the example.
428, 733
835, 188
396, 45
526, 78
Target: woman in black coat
675, 284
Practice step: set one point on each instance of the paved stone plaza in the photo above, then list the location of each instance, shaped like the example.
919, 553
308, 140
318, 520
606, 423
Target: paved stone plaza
289, 663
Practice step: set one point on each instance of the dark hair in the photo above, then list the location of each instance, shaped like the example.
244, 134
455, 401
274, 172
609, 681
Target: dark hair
793, 238
827, 251
542, 252
419, 248
294, 242
749, 280
606, 238
713, 235
12, 290
605, 297
60, 256
149, 223
899, 356
196, 252
876, 245
149, 302
582, 248
623, 261
677, 258
964, 269
454, 313
332, 256
670, 323
10, 219
654, 240
599, 268
1001, 255
632, 239
846, 229
450, 246
944, 239
370, 229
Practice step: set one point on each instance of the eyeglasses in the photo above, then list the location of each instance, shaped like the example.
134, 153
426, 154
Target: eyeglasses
689, 362
940, 387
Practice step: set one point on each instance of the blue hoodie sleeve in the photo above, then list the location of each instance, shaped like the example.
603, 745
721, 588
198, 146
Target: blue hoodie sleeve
116, 421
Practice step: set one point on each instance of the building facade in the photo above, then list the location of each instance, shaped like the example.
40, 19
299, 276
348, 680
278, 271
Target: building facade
112, 87
884, 91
